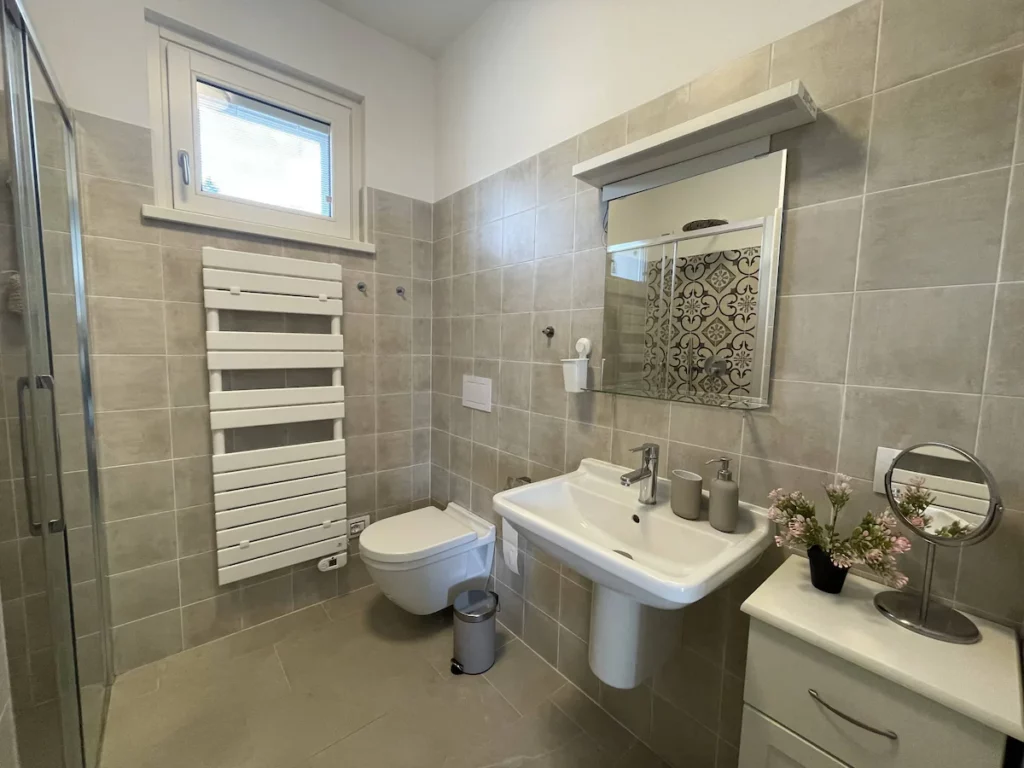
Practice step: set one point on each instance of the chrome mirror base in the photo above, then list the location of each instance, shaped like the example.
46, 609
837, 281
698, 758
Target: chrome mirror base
932, 619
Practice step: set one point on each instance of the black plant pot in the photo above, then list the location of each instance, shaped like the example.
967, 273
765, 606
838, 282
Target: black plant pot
826, 575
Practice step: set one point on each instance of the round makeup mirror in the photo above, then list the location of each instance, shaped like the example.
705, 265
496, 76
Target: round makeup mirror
947, 497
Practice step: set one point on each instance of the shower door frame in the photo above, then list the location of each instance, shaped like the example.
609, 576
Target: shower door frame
35, 60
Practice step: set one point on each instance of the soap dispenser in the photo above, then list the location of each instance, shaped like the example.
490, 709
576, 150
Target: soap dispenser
723, 499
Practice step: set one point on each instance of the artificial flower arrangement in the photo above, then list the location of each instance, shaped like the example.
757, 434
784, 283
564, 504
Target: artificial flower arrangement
874, 542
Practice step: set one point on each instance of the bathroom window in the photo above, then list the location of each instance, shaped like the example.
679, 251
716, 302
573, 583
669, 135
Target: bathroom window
243, 146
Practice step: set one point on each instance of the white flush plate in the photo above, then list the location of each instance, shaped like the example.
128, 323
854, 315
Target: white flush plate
476, 393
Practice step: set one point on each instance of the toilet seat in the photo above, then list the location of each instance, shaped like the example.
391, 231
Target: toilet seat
425, 535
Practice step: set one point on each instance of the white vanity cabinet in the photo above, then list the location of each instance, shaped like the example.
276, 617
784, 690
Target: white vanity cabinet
831, 682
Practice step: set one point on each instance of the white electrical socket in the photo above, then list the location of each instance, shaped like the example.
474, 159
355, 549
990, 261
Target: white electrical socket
883, 460
356, 525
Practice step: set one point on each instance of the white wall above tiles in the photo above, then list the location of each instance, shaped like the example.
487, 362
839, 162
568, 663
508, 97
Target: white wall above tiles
532, 73
98, 49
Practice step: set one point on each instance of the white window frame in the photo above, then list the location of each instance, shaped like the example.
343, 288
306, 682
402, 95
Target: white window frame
176, 61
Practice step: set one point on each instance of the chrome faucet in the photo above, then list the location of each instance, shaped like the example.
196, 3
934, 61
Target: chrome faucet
648, 472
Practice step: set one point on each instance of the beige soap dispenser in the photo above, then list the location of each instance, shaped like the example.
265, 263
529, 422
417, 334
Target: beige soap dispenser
723, 499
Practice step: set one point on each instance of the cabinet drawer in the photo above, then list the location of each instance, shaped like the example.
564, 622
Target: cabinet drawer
781, 672
766, 744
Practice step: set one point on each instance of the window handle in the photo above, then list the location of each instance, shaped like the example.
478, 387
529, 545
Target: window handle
186, 167
892, 735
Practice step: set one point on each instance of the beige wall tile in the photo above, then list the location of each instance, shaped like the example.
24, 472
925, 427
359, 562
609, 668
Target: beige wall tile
394, 374
547, 441
422, 220
553, 283
521, 186
394, 487
189, 380
692, 458
924, 36
126, 327
487, 297
554, 171
129, 382
720, 428
267, 600
463, 292
589, 227
540, 632
195, 530
827, 157
602, 138
182, 274
991, 572
143, 592
114, 150
1006, 355
394, 255
121, 268
394, 335
917, 236
892, 418
139, 489
656, 115
834, 58
759, 477
946, 125
442, 211
932, 339
742, 77
392, 213
193, 481
812, 336
801, 427
588, 279
387, 299
133, 437
517, 288
519, 233
1013, 254
555, 223
490, 198
114, 209
555, 349
186, 328
485, 466
487, 336
146, 641
211, 619
141, 541
394, 450
1002, 423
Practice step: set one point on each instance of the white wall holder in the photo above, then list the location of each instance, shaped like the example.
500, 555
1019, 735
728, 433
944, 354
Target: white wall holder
275, 507
574, 370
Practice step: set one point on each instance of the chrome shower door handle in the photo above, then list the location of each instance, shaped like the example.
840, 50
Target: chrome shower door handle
185, 163
34, 526
46, 382
892, 735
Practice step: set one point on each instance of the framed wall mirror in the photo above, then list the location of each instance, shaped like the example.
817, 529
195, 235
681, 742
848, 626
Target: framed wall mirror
690, 287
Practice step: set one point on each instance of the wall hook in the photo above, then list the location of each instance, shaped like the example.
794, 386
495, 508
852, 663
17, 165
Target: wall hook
549, 331
400, 291
361, 286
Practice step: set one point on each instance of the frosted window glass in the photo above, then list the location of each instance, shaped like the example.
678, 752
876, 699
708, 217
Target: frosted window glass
251, 150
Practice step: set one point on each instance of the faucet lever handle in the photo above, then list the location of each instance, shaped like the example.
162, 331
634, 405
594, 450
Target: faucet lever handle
651, 448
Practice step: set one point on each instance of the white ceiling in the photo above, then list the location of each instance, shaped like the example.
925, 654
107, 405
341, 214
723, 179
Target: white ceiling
426, 25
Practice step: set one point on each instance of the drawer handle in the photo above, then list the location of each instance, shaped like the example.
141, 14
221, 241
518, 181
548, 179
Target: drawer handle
877, 731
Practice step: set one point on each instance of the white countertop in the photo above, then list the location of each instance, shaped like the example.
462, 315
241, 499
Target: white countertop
981, 681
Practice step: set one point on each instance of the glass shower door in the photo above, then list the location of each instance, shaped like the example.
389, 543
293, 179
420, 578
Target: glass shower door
61, 700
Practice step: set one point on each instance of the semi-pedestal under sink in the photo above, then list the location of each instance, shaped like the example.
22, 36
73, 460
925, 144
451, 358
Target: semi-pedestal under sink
646, 563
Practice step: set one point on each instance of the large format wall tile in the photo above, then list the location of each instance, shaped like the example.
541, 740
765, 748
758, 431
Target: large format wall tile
946, 125
921, 236
924, 36
834, 58
1006, 354
894, 418
819, 248
933, 339
827, 158
812, 335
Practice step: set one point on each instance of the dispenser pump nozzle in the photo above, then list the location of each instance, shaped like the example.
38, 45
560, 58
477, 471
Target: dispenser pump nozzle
724, 473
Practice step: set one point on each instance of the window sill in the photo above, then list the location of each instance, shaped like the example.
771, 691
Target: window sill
264, 230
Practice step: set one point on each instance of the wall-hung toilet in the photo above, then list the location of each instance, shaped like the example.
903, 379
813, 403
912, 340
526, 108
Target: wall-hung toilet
423, 559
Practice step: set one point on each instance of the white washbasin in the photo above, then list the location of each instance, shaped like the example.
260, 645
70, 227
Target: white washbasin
590, 521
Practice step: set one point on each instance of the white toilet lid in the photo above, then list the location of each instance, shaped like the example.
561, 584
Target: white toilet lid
413, 535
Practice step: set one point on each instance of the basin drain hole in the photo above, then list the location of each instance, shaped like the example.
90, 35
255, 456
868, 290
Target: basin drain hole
636, 519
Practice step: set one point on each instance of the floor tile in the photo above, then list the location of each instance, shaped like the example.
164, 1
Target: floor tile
523, 677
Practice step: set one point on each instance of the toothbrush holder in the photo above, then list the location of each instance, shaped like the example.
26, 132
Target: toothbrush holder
686, 494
